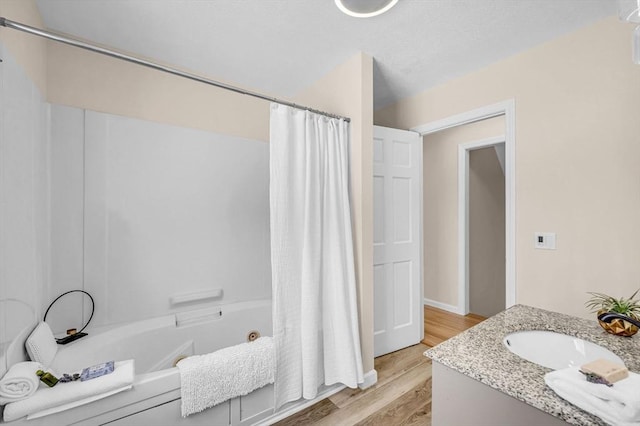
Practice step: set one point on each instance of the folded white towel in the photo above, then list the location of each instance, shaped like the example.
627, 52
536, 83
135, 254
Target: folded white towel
616, 405
208, 380
20, 382
64, 396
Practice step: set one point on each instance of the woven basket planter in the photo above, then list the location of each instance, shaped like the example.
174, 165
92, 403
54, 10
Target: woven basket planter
619, 327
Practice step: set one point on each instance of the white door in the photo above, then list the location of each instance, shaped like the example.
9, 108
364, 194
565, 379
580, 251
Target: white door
397, 219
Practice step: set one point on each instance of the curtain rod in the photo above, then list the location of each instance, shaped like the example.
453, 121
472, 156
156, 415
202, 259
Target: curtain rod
4, 22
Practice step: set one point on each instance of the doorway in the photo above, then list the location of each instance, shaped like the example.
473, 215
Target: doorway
458, 299
481, 174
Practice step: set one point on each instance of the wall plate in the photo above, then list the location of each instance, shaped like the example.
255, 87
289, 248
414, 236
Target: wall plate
545, 240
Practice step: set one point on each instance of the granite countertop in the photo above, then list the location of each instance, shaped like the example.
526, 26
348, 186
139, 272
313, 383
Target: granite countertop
480, 354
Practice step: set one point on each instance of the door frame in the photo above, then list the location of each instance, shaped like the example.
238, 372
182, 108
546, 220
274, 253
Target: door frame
506, 109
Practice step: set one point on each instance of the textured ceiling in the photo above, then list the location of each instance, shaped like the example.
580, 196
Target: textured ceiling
281, 46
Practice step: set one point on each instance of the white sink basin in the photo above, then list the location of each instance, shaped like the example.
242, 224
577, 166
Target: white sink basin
556, 350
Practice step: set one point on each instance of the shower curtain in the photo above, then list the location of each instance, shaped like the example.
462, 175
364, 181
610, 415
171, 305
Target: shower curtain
315, 321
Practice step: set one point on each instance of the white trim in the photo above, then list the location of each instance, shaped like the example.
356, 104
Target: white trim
444, 306
463, 215
298, 406
510, 189
463, 230
482, 113
370, 379
421, 231
506, 108
483, 143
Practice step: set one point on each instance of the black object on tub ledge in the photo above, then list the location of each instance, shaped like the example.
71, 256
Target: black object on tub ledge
72, 334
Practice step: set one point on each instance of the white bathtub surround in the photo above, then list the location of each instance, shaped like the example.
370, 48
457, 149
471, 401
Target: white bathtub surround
20, 382
616, 405
154, 212
64, 396
315, 312
207, 380
195, 296
24, 198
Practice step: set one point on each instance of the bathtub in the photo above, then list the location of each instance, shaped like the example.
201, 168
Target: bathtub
156, 344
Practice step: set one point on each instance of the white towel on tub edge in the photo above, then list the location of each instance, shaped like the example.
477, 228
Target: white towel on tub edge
210, 379
64, 396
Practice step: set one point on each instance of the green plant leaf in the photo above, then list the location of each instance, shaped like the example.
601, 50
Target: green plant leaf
626, 306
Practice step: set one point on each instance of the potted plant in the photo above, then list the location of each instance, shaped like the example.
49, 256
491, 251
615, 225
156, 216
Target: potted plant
618, 316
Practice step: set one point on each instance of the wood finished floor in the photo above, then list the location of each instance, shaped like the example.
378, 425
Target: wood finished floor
441, 325
402, 395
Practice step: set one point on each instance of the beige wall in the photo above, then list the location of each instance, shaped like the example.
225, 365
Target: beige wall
88, 80
29, 51
486, 233
82, 79
348, 90
577, 153
440, 198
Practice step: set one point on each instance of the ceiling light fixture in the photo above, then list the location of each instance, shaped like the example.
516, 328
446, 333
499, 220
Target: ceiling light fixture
629, 11
636, 46
365, 8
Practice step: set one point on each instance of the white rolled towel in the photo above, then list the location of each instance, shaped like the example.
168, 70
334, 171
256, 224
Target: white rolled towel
20, 382
617, 405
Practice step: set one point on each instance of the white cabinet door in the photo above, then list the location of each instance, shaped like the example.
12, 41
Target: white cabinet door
397, 218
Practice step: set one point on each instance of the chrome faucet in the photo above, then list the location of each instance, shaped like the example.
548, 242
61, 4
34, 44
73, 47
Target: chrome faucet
610, 316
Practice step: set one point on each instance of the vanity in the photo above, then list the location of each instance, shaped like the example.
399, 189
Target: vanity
478, 381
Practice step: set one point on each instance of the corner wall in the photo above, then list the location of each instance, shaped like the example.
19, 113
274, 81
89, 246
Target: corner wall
348, 91
487, 226
577, 151
29, 51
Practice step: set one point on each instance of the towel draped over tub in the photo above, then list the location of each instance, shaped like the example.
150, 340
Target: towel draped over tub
210, 379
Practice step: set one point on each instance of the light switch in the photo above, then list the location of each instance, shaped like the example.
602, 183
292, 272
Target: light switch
545, 240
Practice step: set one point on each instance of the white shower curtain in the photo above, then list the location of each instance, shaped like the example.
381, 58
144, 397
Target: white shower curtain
315, 321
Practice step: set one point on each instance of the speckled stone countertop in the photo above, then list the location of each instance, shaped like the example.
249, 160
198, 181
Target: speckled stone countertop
480, 354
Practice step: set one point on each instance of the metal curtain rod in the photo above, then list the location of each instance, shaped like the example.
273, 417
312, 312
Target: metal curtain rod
4, 22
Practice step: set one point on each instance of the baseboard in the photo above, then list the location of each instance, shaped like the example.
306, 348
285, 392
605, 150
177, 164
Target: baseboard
370, 379
443, 306
299, 405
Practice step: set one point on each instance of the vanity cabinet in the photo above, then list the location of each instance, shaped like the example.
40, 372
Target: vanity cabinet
460, 400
